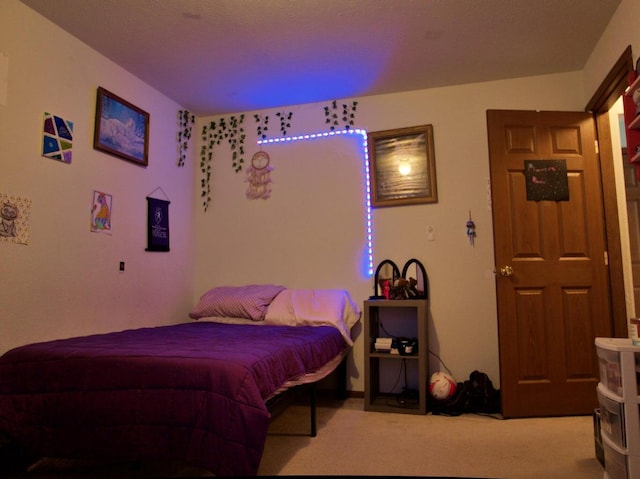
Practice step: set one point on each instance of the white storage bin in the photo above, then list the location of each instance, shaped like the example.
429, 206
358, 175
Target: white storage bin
610, 366
615, 462
610, 374
612, 419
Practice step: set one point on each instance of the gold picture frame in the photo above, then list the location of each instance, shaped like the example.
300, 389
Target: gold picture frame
402, 167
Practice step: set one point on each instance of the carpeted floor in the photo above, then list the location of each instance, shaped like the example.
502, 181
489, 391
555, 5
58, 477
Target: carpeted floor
352, 442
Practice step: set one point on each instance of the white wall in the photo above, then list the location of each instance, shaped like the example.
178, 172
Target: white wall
65, 281
463, 324
621, 32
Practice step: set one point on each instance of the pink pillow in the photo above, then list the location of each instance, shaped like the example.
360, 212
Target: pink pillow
250, 302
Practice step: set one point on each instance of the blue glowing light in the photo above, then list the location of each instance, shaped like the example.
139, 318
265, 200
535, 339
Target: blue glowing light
367, 188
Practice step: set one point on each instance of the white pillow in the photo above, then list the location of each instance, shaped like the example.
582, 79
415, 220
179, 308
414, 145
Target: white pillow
314, 307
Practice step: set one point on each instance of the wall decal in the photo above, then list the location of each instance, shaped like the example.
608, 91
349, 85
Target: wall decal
14, 219
101, 212
57, 138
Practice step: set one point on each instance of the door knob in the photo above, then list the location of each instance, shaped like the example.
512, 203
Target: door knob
506, 271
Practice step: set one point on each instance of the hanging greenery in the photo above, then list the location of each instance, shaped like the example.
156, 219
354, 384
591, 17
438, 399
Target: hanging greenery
285, 119
236, 142
263, 123
334, 118
213, 134
185, 125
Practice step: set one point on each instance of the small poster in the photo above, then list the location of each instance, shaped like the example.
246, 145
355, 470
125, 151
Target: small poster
546, 180
157, 224
57, 138
101, 212
14, 219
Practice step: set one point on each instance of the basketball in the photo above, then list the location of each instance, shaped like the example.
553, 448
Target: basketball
442, 385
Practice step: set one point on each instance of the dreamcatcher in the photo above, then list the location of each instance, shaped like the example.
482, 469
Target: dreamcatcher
259, 177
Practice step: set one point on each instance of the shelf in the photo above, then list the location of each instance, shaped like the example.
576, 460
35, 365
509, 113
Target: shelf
396, 318
395, 403
376, 354
633, 87
635, 123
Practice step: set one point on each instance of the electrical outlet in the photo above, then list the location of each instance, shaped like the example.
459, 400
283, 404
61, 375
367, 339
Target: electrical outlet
122, 266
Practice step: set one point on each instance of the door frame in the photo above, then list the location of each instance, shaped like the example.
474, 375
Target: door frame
609, 91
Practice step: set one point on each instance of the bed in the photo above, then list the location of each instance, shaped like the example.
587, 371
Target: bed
196, 392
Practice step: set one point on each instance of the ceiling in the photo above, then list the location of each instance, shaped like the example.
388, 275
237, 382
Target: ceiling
215, 57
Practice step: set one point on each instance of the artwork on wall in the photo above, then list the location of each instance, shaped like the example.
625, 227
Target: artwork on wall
121, 129
14, 219
101, 211
402, 165
57, 138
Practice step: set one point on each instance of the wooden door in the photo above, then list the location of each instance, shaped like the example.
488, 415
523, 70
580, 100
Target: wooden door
551, 273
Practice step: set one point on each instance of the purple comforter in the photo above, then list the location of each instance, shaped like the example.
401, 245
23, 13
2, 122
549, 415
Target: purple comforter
192, 392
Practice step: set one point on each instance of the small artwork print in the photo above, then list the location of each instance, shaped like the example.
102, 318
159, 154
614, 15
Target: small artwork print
101, 212
546, 180
14, 219
57, 138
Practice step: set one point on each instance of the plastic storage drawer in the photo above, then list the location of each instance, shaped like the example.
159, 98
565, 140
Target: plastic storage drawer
610, 374
619, 465
612, 419
615, 463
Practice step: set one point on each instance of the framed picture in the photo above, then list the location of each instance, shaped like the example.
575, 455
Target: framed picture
121, 129
402, 166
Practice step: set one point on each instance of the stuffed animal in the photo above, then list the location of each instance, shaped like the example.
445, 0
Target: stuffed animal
405, 289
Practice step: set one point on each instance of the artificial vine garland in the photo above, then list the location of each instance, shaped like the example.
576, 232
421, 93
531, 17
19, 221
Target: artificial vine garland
185, 125
213, 134
333, 118
263, 123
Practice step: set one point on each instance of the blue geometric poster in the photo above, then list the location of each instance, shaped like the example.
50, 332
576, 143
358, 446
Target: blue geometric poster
57, 138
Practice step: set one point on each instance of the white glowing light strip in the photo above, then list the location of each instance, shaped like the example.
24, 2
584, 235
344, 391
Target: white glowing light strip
363, 134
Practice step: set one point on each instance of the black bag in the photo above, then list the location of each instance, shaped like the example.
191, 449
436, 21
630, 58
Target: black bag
476, 395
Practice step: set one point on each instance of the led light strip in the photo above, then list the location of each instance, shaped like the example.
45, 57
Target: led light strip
367, 183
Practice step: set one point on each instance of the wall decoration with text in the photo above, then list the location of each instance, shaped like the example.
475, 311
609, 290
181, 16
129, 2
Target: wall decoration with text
157, 224
546, 180
57, 138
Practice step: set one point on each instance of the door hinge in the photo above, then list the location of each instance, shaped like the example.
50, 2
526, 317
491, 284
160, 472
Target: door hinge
606, 258
597, 146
